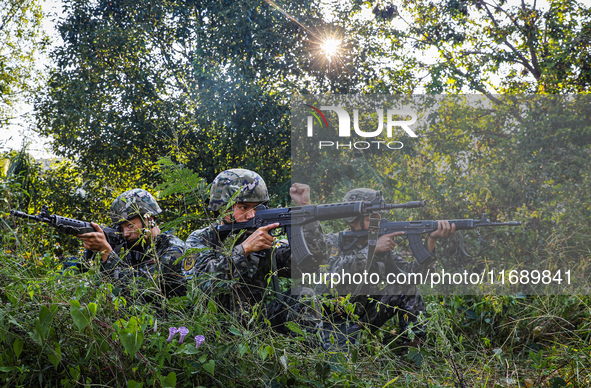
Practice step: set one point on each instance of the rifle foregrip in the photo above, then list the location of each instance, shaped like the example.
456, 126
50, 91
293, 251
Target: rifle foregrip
71, 226
418, 249
297, 244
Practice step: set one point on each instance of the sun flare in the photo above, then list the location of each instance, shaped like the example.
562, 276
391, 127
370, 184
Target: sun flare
330, 47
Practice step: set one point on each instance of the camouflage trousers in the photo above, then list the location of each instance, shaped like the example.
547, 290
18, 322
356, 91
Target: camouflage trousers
405, 302
298, 305
311, 314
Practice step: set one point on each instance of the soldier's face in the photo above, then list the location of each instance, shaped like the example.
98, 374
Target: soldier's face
133, 229
357, 226
243, 211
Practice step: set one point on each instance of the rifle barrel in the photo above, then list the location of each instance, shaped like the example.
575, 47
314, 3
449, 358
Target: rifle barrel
407, 205
18, 214
510, 223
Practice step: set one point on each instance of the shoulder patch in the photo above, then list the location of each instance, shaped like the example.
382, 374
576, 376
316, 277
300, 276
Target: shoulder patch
334, 251
188, 263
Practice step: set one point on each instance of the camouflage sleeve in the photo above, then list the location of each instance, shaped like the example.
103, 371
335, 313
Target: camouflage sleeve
211, 259
109, 266
354, 260
169, 253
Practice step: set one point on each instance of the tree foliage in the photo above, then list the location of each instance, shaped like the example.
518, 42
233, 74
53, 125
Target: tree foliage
197, 81
21, 37
496, 47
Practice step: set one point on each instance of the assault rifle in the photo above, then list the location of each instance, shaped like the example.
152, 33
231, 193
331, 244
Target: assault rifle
71, 226
413, 230
292, 219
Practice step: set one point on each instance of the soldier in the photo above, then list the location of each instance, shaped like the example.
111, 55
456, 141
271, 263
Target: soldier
147, 253
405, 301
246, 260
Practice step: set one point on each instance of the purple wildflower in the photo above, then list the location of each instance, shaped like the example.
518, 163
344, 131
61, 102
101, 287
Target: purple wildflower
172, 331
183, 332
155, 326
199, 340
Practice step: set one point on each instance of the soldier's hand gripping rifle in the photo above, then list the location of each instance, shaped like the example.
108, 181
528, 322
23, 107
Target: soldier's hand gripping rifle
71, 226
292, 219
413, 230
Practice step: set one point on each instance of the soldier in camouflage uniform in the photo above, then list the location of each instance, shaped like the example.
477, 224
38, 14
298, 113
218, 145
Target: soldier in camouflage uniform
404, 301
148, 256
245, 261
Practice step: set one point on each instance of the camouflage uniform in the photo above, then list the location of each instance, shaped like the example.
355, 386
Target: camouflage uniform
404, 301
149, 265
249, 272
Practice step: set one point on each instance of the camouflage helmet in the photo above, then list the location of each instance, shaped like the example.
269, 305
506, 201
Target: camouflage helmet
359, 194
252, 188
135, 202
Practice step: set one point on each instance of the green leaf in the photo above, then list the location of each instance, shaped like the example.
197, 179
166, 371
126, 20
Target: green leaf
45, 318
133, 324
295, 328
17, 346
55, 355
243, 348
415, 356
168, 381
3, 330
190, 349
12, 298
557, 382
75, 372
42, 324
391, 381
80, 315
131, 340
39, 333
211, 306
92, 307
209, 367
134, 384
36, 336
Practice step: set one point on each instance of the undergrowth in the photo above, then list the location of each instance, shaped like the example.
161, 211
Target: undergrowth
67, 328
64, 326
